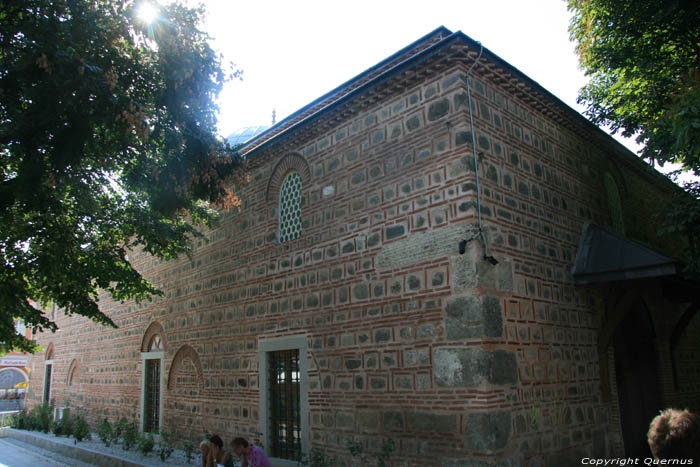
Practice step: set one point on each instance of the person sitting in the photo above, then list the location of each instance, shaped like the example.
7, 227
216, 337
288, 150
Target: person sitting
250, 454
217, 455
675, 434
204, 449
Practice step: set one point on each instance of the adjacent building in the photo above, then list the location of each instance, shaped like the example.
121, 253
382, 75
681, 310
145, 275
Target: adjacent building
14, 376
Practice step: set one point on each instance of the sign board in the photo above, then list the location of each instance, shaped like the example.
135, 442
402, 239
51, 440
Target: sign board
14, 361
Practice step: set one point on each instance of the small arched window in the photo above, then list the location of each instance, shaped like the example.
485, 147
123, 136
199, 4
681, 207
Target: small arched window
152, 356
290, 207
614, 204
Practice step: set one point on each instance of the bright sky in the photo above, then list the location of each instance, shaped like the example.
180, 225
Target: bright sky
292, 52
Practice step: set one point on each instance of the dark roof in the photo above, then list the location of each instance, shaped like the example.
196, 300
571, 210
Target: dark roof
604, 256
245, 134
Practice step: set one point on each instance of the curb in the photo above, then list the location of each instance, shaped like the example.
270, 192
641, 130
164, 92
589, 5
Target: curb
76, 452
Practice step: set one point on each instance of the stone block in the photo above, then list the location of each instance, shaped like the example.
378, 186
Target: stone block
393, 421
403, 382
353, 363
414, 122
418, 248
377, 383
473, 317
359, 382
431, 422
438, 109
488, 431
395, 231
344, 420
423, 382
471, 367
367, 420
360, 291
382, 335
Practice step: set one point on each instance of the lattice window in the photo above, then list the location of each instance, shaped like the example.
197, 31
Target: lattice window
614, 204
290, 207
285, 417
152, 397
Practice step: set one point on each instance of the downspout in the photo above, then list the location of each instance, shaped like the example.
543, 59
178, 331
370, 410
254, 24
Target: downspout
480, 232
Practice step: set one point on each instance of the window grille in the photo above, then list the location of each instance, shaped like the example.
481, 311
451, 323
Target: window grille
47, 383
290, 207
285, 417
152, 402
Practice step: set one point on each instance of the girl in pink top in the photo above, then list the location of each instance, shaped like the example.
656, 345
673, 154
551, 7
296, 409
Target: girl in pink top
251, 455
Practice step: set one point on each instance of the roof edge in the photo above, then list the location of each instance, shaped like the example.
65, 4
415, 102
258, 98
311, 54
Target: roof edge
617, 148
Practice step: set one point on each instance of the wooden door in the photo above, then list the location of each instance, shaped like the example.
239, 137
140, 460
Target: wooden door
636, 373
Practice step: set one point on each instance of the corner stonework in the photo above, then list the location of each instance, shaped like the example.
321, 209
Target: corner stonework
470, 367
473, 317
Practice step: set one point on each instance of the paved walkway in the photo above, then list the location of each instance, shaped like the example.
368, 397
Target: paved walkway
17, 454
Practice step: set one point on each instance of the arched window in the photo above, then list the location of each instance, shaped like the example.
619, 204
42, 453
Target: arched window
284, 190
152, 356
48, 372
73, 373
290, 207
614, 204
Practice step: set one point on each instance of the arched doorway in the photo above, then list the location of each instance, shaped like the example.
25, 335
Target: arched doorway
636, 375
12, 389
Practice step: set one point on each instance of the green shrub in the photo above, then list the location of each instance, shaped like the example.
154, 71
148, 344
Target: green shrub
318, 458
165, 446
11, 420
105, 432
56, 428
43, 414
357, 452
130, 436
388, 449
25, 420
145, 444
188, 447
81, 429
64, 426
119, 428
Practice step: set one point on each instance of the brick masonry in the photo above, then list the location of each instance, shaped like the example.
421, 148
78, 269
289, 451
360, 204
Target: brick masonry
453, 358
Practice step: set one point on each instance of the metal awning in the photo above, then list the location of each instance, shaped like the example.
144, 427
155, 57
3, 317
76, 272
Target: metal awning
604, 256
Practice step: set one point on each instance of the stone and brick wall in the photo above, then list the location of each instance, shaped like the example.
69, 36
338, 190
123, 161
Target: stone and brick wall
686, 354
450, 356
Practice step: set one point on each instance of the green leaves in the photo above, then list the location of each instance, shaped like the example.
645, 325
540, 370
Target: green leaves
107, 143
642, 59
682, 218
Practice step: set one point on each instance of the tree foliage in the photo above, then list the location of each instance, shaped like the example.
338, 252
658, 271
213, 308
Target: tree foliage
683, 218
107, 143
643, 60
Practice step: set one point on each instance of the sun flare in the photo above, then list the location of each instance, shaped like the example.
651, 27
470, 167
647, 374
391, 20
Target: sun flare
147, 12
